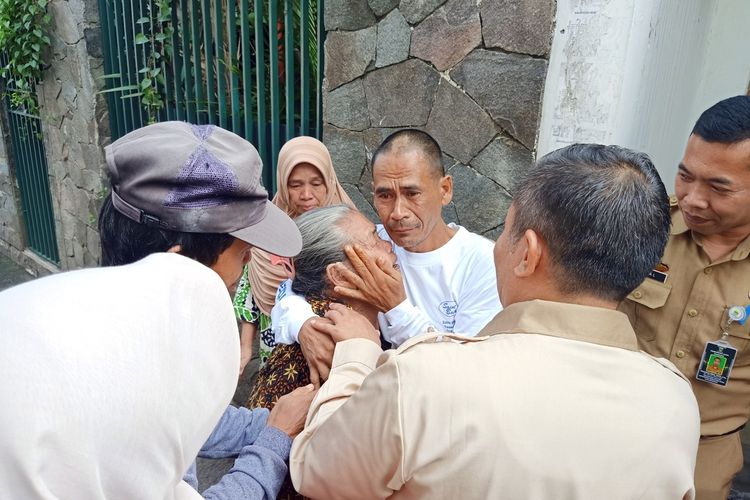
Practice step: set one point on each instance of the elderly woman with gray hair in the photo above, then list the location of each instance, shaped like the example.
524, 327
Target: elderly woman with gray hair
325, 232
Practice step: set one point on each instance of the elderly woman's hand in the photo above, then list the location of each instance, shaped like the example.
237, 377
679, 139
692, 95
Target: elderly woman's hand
318, 351
344, 324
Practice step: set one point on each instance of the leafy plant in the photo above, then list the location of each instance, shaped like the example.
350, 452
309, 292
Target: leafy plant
23, 40
165, 73
154, 39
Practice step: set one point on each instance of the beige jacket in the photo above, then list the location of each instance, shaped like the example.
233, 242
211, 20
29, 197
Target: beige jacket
555, 401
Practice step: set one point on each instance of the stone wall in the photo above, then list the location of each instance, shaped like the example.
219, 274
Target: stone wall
75, 126
469, 72
11, 228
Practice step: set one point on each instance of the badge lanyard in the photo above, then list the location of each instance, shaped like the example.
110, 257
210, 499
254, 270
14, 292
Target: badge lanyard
718, 356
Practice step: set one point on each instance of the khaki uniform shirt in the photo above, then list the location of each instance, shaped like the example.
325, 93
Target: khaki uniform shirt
675, 319
555, 401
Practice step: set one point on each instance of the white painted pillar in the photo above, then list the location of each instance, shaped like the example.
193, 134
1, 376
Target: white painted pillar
639, 72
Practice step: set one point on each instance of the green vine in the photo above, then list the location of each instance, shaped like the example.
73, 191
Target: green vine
154, 38
23, 40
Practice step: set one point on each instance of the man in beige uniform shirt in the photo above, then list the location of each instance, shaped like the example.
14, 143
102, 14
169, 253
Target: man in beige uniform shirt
554, 399
695, 298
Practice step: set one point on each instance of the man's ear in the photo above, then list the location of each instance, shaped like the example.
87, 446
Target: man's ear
532, 248
446, 189
175, 249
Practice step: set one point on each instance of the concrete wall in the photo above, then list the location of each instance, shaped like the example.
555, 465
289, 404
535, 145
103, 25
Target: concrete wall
470, 73
639, 72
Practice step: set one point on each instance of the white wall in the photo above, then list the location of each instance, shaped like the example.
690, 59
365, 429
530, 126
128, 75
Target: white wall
639, 72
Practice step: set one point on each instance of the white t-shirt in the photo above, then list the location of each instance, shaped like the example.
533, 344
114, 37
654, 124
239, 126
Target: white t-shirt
451, 289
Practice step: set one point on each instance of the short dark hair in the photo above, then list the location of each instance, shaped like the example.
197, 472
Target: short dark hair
603, 212
125, 241
411, 138
323, 241
727, 121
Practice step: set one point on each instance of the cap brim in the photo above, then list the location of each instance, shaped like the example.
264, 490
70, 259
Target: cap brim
276, 233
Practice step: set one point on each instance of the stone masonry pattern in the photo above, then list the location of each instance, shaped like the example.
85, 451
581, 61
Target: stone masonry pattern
11, 232
76, 126
469, 72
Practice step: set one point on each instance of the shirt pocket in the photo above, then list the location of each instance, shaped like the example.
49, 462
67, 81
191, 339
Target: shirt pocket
739, 335
644, 300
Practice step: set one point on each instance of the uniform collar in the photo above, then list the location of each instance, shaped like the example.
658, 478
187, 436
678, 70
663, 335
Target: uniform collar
595, 325
742, 250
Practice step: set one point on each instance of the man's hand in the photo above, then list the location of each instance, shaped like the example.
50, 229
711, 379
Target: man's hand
318, 351
374, 281
344, 324
290, 411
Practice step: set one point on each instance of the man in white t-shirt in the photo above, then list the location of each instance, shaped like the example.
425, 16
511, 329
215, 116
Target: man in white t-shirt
446, 280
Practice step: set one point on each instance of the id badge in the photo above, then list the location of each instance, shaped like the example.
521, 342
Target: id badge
716, 363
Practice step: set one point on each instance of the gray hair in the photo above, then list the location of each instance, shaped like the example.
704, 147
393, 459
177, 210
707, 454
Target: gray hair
323, 242
603, 212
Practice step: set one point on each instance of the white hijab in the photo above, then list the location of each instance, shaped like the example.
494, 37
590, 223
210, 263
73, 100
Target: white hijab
111, 379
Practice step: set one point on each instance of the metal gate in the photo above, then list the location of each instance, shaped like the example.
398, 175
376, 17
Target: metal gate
250, 66
30, 160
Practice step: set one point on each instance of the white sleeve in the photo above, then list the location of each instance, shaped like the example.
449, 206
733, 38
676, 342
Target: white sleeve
479, 302
289, 314
404, 322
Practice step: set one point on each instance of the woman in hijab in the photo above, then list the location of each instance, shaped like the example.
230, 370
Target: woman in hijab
305, 179
113, 378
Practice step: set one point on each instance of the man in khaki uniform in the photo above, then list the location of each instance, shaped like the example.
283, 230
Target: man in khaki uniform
694, 300
554, 399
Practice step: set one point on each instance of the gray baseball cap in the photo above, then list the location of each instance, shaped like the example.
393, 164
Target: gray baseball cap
197, 179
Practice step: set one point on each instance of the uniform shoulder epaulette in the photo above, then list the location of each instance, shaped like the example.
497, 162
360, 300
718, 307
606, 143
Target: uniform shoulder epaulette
668, 365
433, 337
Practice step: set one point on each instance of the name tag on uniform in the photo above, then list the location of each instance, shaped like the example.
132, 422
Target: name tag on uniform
659, 273
658, 276
716, 363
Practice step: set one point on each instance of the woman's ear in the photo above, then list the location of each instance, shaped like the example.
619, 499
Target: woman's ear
175, 249
334, 275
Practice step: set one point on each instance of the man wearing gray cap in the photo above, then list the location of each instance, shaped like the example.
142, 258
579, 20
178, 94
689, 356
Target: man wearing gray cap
178, 181
196, 190
181, 193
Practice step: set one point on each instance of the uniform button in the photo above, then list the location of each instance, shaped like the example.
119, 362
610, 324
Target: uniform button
707, 270
692, 313
680, 354
637, 294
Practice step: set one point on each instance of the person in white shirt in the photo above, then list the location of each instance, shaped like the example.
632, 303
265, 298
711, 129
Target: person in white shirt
446, 280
